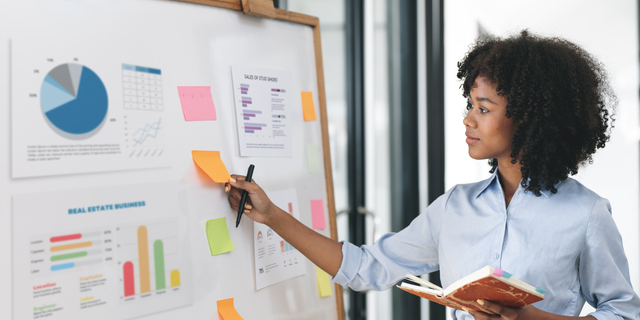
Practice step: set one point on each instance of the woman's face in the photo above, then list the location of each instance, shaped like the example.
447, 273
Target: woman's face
489, 132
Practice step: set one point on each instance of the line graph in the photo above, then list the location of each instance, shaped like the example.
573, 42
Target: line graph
150, 130
144, 136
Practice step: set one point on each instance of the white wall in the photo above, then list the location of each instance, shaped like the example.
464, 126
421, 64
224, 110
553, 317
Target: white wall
608, 30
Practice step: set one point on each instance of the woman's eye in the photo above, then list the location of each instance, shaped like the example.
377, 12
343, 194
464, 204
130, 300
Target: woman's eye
483, 110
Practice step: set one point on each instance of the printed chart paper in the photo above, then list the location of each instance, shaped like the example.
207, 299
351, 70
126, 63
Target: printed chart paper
276, 259
105, 253
76, 110
263, 111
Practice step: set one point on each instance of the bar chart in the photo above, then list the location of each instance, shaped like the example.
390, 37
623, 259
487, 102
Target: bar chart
148, 255
59, 252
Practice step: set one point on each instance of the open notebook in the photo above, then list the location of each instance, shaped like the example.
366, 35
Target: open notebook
488, 283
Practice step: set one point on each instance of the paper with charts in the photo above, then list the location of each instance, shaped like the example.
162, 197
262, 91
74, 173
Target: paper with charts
276, 259
263, 102
109, 253
76, 110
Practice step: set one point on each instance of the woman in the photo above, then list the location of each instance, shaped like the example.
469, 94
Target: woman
538, 108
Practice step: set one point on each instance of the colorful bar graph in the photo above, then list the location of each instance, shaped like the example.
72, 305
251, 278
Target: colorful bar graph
175, 278
129, 285
71, 246
66, 237
282, 246
143, 260
253, 128
249, 114
246, 102
158, 261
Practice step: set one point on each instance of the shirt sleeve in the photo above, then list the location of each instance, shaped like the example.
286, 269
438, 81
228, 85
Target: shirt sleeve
413, 250
604, 270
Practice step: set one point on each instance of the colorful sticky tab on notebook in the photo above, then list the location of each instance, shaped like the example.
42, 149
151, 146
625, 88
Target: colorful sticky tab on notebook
501, 273
218, 236
317, 214
197, 103
227, 311
308, 110
211, 163
540, 290
314, 158
324, 284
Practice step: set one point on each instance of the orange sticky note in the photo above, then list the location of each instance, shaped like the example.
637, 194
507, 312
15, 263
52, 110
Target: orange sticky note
211, 164
308, 110
227, 311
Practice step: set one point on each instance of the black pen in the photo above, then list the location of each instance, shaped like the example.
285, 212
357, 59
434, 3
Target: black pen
243, 200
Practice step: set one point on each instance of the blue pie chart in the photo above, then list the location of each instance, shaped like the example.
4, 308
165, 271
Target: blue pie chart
74, 101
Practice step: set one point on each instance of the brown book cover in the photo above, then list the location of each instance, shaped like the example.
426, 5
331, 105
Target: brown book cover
491, 284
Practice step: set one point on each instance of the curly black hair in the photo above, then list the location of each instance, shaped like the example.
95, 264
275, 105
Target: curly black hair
557, 94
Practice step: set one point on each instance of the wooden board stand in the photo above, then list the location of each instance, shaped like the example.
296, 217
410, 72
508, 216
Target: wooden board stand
266, 9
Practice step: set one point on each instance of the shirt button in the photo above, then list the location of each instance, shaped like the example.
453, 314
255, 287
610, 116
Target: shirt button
496, 256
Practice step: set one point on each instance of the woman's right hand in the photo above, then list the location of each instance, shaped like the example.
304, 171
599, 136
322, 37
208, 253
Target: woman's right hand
258, 206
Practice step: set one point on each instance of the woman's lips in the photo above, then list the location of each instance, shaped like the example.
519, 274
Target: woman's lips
471, 139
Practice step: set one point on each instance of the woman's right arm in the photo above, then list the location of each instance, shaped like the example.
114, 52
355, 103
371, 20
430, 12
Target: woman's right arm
324, 252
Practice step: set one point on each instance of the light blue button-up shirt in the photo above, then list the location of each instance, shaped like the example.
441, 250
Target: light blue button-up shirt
566, 243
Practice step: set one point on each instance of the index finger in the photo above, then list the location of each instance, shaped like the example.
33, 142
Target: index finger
238, 177
494, 307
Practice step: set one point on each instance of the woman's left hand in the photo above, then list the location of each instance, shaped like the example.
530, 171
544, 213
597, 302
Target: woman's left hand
526, 312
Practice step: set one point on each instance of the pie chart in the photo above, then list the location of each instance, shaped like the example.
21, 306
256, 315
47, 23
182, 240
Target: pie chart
74, 101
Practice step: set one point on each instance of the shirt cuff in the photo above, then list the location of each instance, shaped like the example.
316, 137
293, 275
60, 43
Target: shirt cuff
351, 256
604, 315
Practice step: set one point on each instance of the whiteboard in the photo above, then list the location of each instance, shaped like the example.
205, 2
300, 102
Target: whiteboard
192, 45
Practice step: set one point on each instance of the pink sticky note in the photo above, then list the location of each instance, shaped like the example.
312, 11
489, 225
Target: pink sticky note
498, 272
317, 214
197, 103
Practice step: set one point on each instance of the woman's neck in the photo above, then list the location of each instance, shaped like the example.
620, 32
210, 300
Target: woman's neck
510, 177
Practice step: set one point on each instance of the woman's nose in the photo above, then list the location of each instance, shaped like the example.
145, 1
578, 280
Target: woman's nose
468, 120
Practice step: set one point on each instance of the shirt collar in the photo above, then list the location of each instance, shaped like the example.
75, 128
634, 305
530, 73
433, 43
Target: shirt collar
486, 183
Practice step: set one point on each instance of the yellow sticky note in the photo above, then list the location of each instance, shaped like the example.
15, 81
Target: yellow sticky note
211, 164
227, 311
308, 110
218, 236
324, 284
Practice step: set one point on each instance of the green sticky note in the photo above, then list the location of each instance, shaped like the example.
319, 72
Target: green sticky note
218, 236
314, 158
